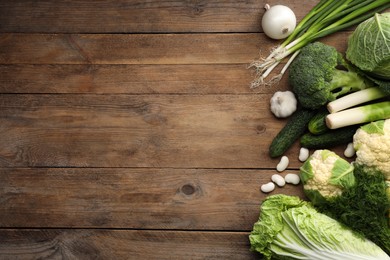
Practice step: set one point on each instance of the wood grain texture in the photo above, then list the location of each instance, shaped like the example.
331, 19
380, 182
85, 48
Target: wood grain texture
130, 79
123, 244
136, 198
128, 48
109, 16
142, 49
207, 131
128, 129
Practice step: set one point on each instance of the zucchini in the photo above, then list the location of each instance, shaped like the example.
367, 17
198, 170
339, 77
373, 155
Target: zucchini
330, 138
295, 127
317, 124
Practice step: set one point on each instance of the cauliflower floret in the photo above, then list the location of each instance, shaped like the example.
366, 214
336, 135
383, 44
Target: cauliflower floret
372, 145
325, 175
323, 172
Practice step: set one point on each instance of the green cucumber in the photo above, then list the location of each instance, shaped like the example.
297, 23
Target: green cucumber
295, 127
317, 124
330, 138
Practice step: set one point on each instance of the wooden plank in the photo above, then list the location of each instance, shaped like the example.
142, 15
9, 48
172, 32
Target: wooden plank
136, 198
130, 79
122, 16
123, 244
181, 131
129, 48
221, 131
231, 48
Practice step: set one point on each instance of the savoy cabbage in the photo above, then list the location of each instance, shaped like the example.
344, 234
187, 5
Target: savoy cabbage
369, 46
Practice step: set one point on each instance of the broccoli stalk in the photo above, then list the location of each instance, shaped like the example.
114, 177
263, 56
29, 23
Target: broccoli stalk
319, 74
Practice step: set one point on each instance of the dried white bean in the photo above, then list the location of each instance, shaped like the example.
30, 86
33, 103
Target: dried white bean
278, 179
349, 151
292, 178
303, 154
283, 164
268, 187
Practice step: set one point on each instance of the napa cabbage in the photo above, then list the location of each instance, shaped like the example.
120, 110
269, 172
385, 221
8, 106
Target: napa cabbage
290, 228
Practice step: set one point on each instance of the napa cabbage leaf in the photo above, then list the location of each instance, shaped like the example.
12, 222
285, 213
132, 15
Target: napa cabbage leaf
290, 228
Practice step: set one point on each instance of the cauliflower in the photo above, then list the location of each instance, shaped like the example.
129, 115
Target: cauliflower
372, 145
325, 175
283, 104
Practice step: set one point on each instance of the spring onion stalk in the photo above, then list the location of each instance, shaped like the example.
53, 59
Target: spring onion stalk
355, 98
327, 17
359, 115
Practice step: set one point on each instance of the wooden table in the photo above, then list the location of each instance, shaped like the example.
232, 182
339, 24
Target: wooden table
128, 129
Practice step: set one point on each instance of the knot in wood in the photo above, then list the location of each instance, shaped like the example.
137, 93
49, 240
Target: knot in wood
188, 189
260, 129
197, 7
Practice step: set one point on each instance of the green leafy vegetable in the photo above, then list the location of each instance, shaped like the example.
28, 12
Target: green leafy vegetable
316, 77
364, 206
384, 85
290, 228
369, 46
376, 127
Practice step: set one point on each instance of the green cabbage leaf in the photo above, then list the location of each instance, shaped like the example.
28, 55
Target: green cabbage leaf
290, 228
369, 46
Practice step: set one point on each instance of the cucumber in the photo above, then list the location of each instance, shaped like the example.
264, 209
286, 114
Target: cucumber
330, 138
317, 124
295, 127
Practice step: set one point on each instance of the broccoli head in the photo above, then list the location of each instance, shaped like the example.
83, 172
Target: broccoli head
320, 74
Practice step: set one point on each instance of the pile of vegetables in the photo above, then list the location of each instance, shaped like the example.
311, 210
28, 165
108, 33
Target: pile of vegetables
347, 215
337, 94
341, 98
327, 17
